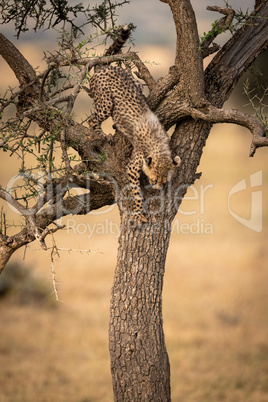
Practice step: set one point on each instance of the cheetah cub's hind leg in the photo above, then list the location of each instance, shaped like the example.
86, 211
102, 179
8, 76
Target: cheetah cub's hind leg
103, 105
133, 172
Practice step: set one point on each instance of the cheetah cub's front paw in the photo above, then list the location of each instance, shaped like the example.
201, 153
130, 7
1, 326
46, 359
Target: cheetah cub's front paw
141, 219
137, 220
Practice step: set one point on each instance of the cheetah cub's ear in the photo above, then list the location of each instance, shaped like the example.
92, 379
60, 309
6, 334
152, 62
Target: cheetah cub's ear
177, 160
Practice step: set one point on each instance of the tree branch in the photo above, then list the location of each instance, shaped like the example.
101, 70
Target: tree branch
188, 60
143, 71
185, 85
258, 3
162, 87
212, 114
17, 62
102, 192
236, 56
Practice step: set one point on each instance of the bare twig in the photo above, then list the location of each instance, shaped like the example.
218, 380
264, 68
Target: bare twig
45, 75
54, 253
51, 230
78, 250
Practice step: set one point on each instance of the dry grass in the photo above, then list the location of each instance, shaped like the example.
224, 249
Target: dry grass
217, 322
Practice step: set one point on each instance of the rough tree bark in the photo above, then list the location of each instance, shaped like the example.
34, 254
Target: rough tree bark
189, 98
139, 360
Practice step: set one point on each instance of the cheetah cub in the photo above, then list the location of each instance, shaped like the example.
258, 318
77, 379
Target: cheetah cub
118, 95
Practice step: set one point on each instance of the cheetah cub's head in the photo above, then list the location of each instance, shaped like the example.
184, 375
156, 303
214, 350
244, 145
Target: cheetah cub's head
160, 170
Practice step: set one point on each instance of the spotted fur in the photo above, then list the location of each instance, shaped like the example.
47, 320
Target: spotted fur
118, 95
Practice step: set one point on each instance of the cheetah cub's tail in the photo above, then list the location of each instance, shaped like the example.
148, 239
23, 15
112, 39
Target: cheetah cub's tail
116, 47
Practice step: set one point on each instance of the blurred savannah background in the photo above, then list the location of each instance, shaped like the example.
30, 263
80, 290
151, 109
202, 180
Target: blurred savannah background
215, 299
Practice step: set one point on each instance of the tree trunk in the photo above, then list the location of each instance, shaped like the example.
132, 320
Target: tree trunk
139, 359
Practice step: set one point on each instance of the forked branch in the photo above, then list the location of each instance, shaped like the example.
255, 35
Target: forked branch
39, 221
218, 27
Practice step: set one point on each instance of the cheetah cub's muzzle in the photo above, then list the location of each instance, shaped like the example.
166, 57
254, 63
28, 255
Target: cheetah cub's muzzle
160, 171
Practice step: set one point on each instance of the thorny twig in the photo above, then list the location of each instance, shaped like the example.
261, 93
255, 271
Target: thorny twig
54, 253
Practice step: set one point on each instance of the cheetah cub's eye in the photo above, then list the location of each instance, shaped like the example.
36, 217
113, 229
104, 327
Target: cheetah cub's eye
148, 161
